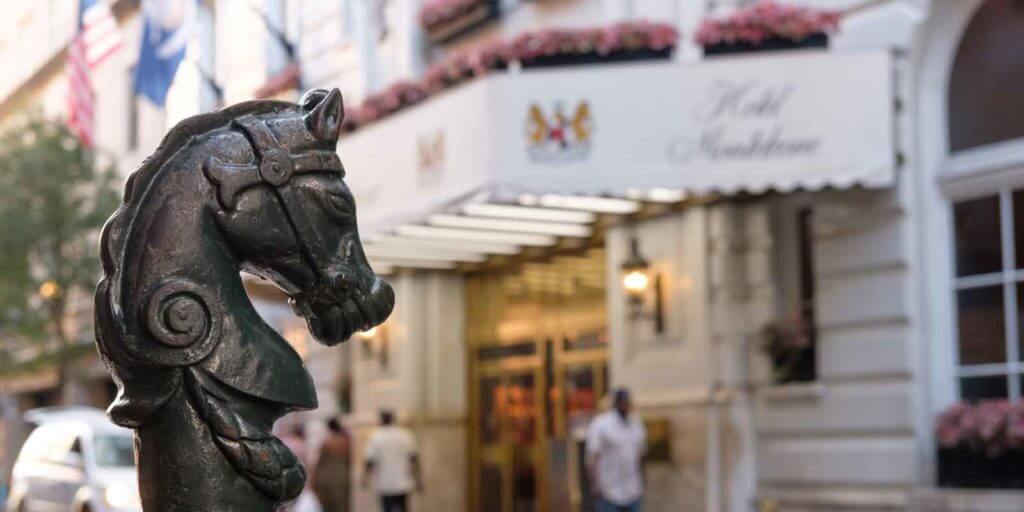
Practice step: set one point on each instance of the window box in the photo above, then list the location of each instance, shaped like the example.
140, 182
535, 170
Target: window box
981, 445
964, 467
767, 26
573, 59
626, 41
819, 40
285, 80
621, 42
794, 366
445, 26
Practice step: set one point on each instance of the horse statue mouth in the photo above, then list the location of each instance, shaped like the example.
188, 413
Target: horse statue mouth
334, 317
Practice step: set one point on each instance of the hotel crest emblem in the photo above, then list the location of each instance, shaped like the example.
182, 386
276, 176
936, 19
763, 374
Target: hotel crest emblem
559, 138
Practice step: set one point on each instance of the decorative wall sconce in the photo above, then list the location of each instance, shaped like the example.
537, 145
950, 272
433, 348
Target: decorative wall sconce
637, 279
376, 344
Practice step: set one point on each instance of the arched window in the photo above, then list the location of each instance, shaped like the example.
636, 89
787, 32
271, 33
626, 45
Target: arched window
986, 103
986, 106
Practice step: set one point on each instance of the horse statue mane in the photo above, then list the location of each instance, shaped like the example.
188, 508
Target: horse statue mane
255, 187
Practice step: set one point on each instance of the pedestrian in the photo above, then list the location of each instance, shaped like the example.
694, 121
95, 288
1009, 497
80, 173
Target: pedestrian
616, 442
331, 479
393, 463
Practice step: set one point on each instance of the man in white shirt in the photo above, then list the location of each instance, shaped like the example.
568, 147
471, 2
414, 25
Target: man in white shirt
393, 462
616, 441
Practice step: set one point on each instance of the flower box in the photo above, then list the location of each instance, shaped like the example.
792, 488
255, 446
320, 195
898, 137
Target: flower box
621, 42
575, 59
795, 366
981, 445
789, 344
767, 26
285, 80
819, 40
444, 23
963, 467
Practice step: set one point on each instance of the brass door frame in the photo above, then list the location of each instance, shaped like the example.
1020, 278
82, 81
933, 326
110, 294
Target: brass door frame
534, 364
501, 453
562, 361
538, 304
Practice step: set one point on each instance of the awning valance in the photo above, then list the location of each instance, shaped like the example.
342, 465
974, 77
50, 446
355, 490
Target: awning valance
799, 120
625, 134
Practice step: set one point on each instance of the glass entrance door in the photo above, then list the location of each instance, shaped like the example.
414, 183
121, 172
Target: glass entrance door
510, 435
538, 368
532, 411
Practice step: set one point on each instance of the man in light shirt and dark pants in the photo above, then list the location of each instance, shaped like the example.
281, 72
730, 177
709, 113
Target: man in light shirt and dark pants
393, 462
616, 441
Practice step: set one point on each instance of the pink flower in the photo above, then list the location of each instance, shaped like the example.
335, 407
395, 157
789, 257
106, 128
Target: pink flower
495, 54
765, 20
989, 426
623, 36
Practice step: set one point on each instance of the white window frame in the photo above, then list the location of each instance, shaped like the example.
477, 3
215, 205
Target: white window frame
991, 170
1008, 277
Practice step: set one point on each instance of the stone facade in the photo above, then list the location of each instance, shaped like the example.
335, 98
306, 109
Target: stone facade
857, 438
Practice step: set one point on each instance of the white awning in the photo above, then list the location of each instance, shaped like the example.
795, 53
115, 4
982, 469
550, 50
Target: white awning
532, 156
474, 232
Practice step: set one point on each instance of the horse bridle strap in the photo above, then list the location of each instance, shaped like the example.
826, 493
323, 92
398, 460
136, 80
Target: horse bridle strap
274, 166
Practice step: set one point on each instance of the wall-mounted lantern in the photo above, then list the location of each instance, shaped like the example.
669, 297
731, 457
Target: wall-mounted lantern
640, 281
376, 344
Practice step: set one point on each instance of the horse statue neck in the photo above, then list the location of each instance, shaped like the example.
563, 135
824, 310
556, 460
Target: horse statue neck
224, 402
200, 377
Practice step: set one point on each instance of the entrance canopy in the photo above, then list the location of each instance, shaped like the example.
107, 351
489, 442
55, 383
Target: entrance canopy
601, 139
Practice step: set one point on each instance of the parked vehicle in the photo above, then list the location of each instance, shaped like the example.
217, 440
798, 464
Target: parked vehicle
75, 460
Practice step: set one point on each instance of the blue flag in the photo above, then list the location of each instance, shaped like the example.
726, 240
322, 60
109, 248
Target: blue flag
165, 34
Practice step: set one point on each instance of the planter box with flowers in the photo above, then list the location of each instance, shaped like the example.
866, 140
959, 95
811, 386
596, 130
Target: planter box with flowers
790, 347
981, 445
767, 26
456, 69
621, 42
617, 43
445, 20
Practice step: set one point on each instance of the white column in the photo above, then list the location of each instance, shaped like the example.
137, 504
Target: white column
207, 59
424, 383
277, 55
413, 44
367, 40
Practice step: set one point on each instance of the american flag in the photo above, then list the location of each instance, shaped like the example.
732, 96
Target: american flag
96, 38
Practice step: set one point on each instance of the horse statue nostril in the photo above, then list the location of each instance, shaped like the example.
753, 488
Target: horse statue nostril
383, 298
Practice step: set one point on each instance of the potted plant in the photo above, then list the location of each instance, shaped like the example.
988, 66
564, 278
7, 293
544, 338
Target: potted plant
981, 445
767, 26
789, 345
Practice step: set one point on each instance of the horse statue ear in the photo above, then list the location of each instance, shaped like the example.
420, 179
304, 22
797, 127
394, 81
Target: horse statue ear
324, 121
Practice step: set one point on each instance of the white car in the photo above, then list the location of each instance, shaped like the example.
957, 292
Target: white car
75, 460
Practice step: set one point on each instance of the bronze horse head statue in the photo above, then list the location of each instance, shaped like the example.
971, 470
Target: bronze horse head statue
256, 187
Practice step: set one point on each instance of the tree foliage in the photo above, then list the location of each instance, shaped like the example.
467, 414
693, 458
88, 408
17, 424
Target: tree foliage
55, 199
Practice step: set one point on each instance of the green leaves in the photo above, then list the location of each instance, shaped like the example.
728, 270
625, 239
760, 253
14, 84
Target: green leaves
55, 199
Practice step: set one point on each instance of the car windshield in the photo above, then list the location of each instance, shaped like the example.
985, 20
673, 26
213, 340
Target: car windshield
114, 450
